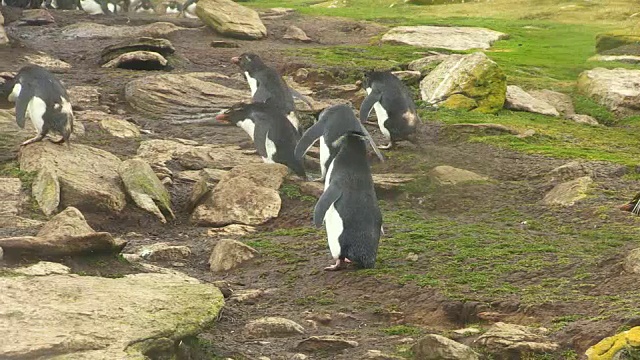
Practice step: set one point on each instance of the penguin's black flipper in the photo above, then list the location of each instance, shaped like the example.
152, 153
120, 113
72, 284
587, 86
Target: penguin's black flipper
373, 143
261, 95
367, 104
329, 196
26, 94
260, 138
308, 138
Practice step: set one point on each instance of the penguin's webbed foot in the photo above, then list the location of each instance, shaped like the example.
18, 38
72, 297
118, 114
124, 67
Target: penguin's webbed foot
31, 141
371, 122
386, 147
250, 152
337, 266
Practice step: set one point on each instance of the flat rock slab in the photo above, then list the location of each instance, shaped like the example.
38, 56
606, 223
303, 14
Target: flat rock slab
121, 318
325, 344
163, 47
444, 37
229, 254
448, 175
272, 327
182, 96
36, 17
88, 176
519, 100
391, 181
617, 89
93, 30
138, 60
231, 19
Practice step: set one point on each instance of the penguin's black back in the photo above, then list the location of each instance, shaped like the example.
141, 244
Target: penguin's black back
358, 205
397, 101
340, 120
279, 130
44, 84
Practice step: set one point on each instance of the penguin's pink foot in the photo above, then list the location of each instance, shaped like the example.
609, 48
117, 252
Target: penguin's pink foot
347, 261
386, 147
31, 141
371, 122
335, 267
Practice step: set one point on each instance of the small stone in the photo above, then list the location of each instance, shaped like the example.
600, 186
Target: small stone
583, 119
138, 60
391, 181
325, 344
198, 192
132, 258
164, 252
412, 257
448, 175
120, 128
463, 333
229, 254
527, 133
379, 355
43, 268
436, 347
46, 190
567, 193
36, 17
519, 100
312, 188
247, 296
295, 33
46, 61
273, 327
233, 230
632, 262
299, 357
562, 102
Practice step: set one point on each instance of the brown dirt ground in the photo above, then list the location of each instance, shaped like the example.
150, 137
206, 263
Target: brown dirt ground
360, 306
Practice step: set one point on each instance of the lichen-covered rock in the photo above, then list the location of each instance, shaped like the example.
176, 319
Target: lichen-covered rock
561, 102
95, 30
615, 39
273, 327
583, 119
448, 175
514, 340
231, 19
568, 193
123, 318
237, 200
229, 254
47, 61
46, 190
631, 262
3, 35
267, 175
475, 77
176, 97
145, 188
608, 348
443, 37
164, 252
69, 222
88, 176
436, 347
163, 47
119, 128
519, 100
138, 60
617, 89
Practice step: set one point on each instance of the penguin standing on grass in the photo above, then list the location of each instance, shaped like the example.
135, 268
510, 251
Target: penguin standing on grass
333, 122
268, 86
393, 104
37, 92
349, 206
273, 135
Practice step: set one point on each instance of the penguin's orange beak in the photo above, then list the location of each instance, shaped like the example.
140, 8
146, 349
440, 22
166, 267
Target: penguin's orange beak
235, 60
223, 118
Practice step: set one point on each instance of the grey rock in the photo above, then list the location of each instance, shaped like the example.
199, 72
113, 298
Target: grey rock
443, 37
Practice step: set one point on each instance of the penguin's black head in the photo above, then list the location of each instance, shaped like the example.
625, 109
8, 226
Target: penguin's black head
248, 61
235, 114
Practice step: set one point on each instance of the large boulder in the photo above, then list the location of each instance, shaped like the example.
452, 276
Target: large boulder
94, 30
88, 176
519, 100
436, 347
613, 347
568, 193
562, 102
231, 19
617, 89
3, 35
444, 37
472, 82
182, 96
130, 317
145, 188
65, 234
511, 341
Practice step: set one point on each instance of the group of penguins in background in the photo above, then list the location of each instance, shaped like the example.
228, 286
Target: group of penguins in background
348, 207
95, 7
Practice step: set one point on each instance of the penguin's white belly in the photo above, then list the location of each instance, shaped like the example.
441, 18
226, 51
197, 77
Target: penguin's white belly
91, 7
15, 92
248, 126
4, 3
133, 5
172, 11
253, 83
270, 146
113, 8
324, 156
327, 178
382, 116
145, 11
293, 119
190, 11
334, 226
36, 108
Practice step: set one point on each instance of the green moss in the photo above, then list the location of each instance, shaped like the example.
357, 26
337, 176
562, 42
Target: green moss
460, 102
615, 39
404, 330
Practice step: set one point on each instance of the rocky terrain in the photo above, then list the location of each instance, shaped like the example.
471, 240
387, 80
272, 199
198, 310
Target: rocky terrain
160, 235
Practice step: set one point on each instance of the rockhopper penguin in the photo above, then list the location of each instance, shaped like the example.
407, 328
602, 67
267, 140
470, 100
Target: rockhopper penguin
273, 135
393, 104
37, 92
349, 206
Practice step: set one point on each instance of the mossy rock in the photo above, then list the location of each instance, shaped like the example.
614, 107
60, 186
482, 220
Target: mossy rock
617, 347
460, 102
616, 39
145, 188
